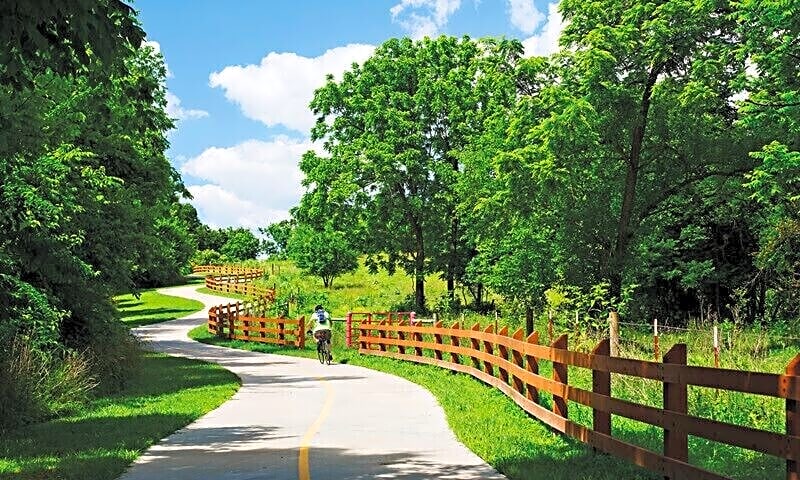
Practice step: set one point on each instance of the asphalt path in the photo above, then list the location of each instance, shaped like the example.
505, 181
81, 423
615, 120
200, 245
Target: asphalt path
294, 418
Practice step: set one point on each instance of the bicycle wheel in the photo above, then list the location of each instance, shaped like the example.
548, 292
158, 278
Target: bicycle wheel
322, 354
328, 355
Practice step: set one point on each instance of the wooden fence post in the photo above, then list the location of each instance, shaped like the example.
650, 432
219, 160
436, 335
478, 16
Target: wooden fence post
676, 442
382, 334
533, 367
231, 321
417, 337
437, 338
362, 333
454, 340
560, 376
281, 335
601, 385
503, 354
516, 357
401, 336
263, 325
348, 334
476, 345
301, 339
793, 420
656, 346
613, 332
488, 347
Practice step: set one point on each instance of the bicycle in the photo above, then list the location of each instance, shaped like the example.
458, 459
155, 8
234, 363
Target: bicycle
323, 338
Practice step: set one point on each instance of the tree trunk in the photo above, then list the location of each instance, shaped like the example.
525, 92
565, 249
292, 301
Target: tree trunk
528, 320
631, 177
451, 284
419, 268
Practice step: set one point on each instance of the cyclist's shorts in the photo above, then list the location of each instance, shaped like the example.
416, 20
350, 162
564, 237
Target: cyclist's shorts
322, 335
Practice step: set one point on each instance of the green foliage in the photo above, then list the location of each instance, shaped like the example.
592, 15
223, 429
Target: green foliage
277, 238
89, 197
392, 128
240, 244
38, 35
208, 257
324, 253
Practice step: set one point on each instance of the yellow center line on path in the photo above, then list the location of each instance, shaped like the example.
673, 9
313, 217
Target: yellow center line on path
302, 461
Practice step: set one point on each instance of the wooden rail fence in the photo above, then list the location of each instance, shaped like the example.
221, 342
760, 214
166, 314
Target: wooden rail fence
240, 321
231, 279
510, 362
247, 320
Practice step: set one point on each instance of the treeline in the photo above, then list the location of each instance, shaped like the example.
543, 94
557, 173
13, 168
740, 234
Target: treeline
90, 204
651, 165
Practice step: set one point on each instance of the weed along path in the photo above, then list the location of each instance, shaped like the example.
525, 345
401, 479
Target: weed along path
296, 419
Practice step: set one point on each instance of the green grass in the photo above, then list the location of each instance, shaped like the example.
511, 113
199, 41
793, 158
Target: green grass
234, 296
100, 440
153, 307
357, 291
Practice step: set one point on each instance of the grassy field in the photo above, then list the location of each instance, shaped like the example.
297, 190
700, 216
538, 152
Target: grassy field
357, 291
99, 440
153, 307
741, 349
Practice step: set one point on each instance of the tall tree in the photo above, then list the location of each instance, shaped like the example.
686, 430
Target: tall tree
392, 129
624, 52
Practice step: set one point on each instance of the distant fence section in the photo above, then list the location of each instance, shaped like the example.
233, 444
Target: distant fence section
248, 320
231, 279
510, 362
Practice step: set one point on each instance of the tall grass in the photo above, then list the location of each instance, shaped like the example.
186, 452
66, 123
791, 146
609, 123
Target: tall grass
38, 385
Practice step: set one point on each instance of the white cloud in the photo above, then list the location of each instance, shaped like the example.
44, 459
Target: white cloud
421, 18
256, 181
279, 89
220, 208
546, 41
524, 15
176, 111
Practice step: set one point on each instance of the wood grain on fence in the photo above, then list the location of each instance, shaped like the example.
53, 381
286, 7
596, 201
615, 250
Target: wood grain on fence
511, 364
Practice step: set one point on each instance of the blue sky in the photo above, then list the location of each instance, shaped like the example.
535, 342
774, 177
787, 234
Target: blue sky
241, 74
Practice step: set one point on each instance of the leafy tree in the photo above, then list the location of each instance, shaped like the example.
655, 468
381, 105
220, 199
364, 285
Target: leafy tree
85, 187
241, 244
392, 129
63, 37
277, 237
325, 253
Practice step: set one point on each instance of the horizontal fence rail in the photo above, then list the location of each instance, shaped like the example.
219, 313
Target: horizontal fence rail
231, 279
510, 362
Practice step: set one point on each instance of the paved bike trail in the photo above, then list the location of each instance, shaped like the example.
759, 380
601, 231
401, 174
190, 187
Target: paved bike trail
293, 418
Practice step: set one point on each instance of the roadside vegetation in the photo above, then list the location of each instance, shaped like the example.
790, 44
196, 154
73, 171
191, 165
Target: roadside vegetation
97, 437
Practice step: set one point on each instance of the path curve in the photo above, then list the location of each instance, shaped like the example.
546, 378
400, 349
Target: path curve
350, 422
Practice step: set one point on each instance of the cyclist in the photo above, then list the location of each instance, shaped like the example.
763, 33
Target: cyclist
322, 325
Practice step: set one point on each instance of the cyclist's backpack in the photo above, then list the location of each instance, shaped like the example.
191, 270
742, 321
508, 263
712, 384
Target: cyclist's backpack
321, 317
